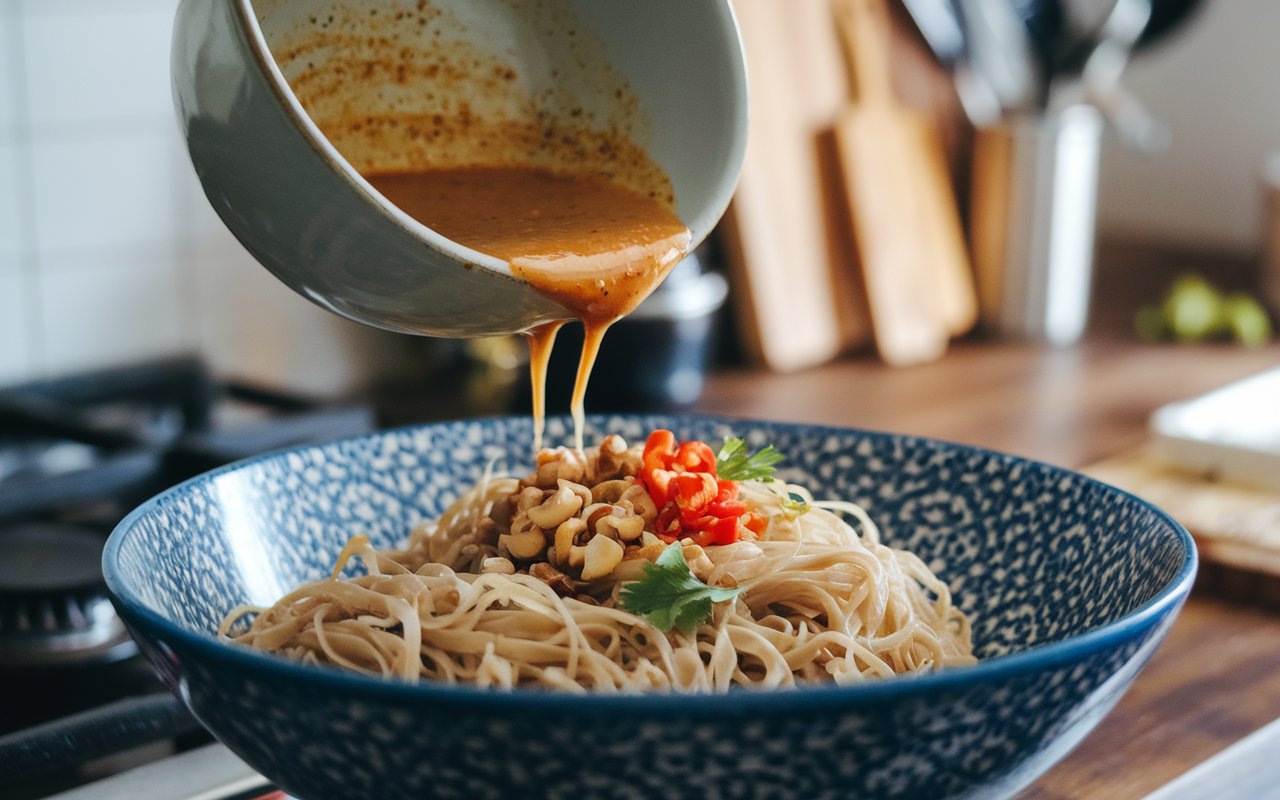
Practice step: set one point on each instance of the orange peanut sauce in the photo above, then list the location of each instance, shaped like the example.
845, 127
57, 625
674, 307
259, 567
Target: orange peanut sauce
595, 247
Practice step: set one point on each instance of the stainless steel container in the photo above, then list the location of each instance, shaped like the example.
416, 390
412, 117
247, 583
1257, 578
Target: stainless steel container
1035, 190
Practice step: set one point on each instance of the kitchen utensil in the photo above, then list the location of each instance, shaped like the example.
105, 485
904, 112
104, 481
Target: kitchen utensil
1044, 23
940, 25
669, 73
1043, 20
1001, 50
1090, 61
1071, 585
1034, 184
1088, 23
907, 234
1167, 16
785, 233
1084, 26
943, 30
1084, 20
1057, 39
1100, 77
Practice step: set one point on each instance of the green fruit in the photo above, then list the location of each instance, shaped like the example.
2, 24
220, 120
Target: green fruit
1247, 320
1150, 325
1194, 309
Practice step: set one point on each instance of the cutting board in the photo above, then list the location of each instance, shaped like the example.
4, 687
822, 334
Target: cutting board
906, 228
786, 231
1236, 527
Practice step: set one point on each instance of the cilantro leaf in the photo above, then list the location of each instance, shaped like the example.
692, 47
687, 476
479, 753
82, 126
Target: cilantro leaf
670, 596
734, 463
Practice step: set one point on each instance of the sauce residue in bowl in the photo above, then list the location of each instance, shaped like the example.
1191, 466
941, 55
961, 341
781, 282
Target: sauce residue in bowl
596, 248
530, 152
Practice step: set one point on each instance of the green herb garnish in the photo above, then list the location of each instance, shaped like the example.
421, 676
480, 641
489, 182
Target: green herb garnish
1195, 310
734, 463
794, 505
670, 596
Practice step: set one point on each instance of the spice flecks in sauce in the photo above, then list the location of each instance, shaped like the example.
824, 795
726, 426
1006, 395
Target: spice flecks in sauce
413, 89
534, 156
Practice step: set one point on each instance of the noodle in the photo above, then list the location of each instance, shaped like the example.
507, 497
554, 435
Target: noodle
468, 600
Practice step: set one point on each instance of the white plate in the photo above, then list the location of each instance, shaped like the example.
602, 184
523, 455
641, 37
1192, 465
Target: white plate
1233, 432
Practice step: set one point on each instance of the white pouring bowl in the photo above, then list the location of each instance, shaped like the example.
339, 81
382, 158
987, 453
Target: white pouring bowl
668, 73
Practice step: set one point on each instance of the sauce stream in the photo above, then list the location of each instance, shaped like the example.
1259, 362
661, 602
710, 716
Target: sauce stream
596, 248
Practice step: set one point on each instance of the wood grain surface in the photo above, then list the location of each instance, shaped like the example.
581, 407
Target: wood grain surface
883, 161
786, 233
1236, 525
1217, 677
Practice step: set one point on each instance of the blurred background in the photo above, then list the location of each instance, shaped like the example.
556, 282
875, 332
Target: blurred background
1072, 194
110, 255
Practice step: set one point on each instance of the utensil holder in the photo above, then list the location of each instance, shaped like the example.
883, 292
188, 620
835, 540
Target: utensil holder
1034, 204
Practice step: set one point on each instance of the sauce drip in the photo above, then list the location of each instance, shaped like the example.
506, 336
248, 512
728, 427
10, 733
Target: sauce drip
541, 340
596, 248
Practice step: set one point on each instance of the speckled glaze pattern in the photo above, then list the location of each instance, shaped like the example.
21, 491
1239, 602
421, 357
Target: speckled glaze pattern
1071, 584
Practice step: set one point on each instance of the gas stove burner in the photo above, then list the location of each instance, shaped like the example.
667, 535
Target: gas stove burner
76, 453
53, 603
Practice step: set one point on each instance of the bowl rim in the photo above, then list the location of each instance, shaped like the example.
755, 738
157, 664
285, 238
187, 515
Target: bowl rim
1000, 668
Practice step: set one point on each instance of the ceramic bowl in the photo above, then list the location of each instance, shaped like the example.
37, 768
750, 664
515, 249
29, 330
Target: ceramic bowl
1070, 583
277, 100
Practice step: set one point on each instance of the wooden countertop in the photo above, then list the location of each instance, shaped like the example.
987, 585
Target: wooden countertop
1217, 676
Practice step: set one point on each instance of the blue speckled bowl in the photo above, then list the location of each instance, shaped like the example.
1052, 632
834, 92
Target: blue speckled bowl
1071, 585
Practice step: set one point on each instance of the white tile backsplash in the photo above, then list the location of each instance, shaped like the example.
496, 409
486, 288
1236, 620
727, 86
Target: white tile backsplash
111, 312
17, 354
105, 65
114, 190
13, 235
64, 8
260, 330
254, 327
10, 74
109, 252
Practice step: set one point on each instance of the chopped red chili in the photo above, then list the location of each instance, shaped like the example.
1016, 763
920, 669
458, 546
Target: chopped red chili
692, 502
